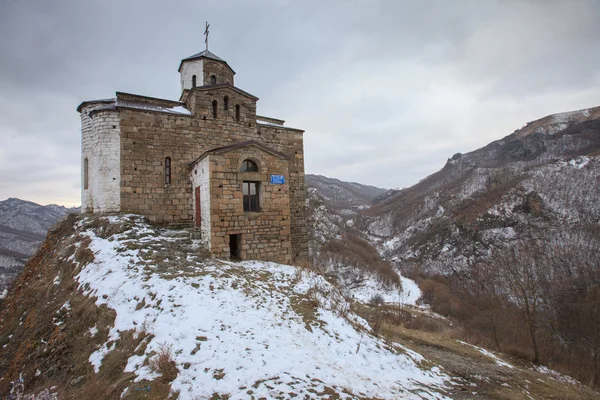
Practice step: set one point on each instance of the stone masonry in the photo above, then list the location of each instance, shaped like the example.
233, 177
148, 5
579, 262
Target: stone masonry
128, 138
265, 234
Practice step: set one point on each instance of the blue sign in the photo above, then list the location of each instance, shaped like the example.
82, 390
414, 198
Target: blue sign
277, 179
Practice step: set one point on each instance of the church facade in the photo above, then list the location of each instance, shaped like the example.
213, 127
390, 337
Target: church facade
207, 160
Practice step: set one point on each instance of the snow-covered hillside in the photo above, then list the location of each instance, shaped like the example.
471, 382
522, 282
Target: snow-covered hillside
236, 330
343, 255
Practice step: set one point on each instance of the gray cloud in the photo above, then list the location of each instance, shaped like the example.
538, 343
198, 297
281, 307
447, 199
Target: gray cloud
386, 90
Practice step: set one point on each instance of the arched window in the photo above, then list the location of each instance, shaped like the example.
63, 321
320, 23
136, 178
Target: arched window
167, 170
249, 166
193, 81
251, 195
215, 105
85, 173
225, 103
213, 79
237, 112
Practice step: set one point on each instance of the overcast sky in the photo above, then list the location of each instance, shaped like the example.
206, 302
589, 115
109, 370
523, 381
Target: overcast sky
386, 90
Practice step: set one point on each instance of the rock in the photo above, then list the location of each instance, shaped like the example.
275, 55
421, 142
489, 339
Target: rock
78, 381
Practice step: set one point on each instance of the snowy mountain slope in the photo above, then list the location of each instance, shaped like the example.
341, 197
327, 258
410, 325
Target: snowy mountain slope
344, 256
231, 330
23, 226
343, 195
541, 177
503, 240
30, 217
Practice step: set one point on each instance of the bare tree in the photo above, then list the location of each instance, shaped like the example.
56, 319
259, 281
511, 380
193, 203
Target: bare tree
521, 272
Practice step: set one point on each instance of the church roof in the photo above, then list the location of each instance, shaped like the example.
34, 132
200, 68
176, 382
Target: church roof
205, 54
239, 145
137, 102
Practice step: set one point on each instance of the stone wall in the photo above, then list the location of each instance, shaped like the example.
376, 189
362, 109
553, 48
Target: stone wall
220, 70
293, 142
148, 137
200, 101
100, 145
264, 235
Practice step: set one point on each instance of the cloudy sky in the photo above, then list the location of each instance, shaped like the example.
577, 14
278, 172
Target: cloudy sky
386, 90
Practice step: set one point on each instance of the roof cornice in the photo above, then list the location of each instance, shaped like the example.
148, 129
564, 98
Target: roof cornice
205, 54
239, 145
224, 85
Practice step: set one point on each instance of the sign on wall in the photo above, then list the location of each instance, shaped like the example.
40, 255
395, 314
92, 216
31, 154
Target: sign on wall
277, 179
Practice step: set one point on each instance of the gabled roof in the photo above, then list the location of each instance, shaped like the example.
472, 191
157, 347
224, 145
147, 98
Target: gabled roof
225, 85
205, 54
239, 145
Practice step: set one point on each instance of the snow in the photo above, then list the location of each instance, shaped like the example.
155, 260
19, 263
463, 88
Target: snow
3, 294
497, 234
243, 320
579, 162
260, 122
93, 330
180, 110
66, 306
489, 354
367, 289
554, 374
410, 291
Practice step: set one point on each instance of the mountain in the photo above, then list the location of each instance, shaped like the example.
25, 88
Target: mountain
23, 227
544, 173
341, 195
503, 229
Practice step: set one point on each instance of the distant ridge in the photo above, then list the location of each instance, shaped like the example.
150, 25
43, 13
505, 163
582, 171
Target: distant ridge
23, 227
340, 194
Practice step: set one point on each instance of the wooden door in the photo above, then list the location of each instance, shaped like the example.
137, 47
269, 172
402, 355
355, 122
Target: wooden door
198, 209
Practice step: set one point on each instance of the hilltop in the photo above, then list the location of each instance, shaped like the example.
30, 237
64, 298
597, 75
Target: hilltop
110, 305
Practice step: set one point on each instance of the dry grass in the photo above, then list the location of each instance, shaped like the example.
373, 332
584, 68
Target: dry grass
437, 340
354, 251
55, 339
163, 363
84, 255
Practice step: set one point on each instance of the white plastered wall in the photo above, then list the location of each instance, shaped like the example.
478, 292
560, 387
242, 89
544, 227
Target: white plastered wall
201, 177
189, 69
101, 145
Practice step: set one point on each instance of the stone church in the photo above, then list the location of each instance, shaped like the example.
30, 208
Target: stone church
207, 160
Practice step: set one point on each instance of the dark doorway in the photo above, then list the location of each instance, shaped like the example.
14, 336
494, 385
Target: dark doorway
234, 246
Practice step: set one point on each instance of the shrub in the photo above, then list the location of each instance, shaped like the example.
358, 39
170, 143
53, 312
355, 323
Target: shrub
376, 300
164, 364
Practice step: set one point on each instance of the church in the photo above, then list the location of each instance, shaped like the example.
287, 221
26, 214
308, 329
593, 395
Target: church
206, 161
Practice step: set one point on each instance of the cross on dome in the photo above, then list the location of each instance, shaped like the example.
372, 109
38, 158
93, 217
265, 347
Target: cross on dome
206, 35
